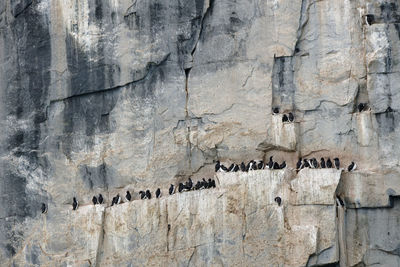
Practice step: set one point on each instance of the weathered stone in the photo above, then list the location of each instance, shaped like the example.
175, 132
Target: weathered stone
115, 95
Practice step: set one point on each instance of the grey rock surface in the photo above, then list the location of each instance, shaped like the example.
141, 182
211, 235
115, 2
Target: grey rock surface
115, 95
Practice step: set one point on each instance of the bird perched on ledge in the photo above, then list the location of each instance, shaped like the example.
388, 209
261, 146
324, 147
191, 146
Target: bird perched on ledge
158, 193
329, 163
128, 196
323, 166
278, 200
75, 204
352, 167
291, 117
298, 164
101, 199
44, 208
171, 189
337, 163
94, 200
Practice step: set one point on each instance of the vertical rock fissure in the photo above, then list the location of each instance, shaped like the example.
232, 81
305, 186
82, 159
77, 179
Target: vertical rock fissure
340, 220
101, 240
187, 118
206, 14
302, 21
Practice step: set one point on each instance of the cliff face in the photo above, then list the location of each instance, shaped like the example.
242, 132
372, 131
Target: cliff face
115, 95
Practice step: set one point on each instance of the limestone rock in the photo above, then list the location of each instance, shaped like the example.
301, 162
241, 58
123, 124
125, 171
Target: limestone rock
115, 95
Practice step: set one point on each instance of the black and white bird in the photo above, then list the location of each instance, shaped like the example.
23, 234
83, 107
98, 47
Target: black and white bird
291, 117
128, 196
230, 168
283, 165
198, 185
189, 185
101, 199
142, 194
236, 168
114, 201
213, 183
171, 189
275, 110
270, 163
44, 208
217, 166
314, 163
278, 200
323, 165
306, 164
242, 167
285, 118
298, 164
94, 200
148, 194
329, 163
223, 168
260, 165
370, 18
361, 107
181, 187
337, 163
254, 166
204, 184
75, 204
276, 166
117, 199
352, 167
158, 193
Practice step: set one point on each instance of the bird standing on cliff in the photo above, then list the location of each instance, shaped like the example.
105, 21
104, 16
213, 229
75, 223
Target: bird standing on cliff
101, 199
298, 164
352, 167
329, 163
323, 166
181, 187
142, 194
189, 185
314, 163
213, 183
306, 164
285, 118
128, 196
148, 194
270, 163
217, 166
44, 208
242, 167
94, 200
361, 107
283, 165
278, 200
275, 110
291, 117
75, 204
158, 193
337, 163
260, 165
171, 189
236, 168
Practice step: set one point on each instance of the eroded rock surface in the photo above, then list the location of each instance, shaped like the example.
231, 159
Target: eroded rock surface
115, 95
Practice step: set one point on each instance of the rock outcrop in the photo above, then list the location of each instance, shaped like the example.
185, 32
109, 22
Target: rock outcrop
115, 95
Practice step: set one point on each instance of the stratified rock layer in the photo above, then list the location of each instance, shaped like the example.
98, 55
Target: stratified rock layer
115, 95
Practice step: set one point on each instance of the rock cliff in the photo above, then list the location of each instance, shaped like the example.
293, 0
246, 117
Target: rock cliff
104, 96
